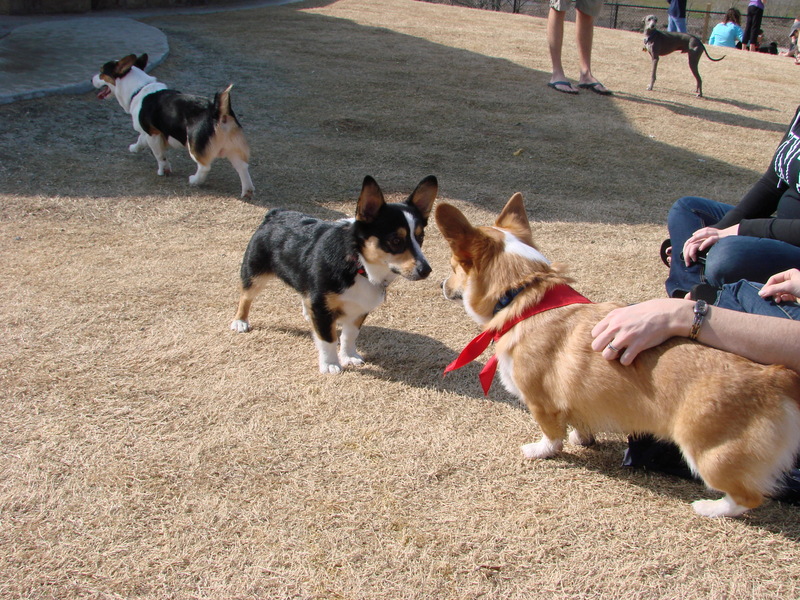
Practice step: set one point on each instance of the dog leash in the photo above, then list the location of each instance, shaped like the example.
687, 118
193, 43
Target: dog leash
556, 297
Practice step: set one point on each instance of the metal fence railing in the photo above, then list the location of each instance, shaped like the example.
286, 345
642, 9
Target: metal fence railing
631, 17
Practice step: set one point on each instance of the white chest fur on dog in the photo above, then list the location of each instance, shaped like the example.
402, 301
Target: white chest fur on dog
166, 118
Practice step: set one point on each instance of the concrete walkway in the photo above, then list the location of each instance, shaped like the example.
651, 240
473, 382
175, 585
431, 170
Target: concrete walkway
41, 55
60, 57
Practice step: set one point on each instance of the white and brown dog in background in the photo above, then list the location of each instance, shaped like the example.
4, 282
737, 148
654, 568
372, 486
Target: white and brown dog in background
164, 117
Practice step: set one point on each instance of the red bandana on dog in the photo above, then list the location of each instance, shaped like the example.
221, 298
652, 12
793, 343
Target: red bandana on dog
556, 297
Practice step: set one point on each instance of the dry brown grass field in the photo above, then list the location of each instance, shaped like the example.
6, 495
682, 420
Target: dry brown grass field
146, 451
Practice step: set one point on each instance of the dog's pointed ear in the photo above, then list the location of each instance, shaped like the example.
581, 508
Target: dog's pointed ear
141, 62
124, 65
370, 201
424, 195
514, 218
457, 230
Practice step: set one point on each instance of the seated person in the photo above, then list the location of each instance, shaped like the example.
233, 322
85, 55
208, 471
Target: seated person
763, 47
729, 32
793, 33
719, 243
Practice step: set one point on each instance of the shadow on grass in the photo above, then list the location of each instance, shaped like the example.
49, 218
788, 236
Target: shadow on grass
416, 360
319, 117
419, 361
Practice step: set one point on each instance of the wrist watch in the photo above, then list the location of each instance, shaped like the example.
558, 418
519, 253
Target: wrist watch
700, 311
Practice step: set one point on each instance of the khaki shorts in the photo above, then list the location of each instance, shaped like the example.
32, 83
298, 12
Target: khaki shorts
589, 7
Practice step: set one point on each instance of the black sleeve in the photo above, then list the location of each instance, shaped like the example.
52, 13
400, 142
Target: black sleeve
785, 230
760, 202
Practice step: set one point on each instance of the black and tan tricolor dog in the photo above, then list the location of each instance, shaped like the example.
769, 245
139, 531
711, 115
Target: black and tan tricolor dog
341, 269
164, 117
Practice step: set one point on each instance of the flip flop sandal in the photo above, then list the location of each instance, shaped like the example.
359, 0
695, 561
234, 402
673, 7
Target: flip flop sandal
593, 87
666, 252
555, 84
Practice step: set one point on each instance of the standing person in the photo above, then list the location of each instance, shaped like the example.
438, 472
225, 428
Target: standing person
676, 16
755, 11
729, 31
586, 11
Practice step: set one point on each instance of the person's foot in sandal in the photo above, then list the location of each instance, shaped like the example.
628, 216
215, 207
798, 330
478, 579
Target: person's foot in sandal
596, 87
565, 87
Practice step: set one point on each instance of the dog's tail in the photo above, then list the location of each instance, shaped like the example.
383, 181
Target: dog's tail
707, 54
229, 135
222, 105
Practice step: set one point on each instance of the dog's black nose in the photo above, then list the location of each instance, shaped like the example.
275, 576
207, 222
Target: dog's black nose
422, 270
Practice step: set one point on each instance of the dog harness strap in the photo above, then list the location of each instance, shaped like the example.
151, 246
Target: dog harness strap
133, 95
556, 297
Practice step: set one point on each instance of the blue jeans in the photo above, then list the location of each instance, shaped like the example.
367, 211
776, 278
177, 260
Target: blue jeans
743, 296
676, 24
730, 259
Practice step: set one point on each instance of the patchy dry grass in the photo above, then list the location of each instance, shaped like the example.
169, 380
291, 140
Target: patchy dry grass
148, 452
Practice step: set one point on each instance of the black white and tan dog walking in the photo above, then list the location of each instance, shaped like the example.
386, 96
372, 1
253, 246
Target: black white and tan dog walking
164, 117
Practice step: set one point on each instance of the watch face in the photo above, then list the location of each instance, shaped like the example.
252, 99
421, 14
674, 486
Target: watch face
701, 307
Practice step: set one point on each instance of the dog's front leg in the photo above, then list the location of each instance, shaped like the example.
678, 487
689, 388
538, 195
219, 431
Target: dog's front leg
324, 330
138, 144
347, 350
328, 359
653, 73
554, 430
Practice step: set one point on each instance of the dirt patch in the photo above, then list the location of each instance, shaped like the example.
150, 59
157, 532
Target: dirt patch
149, 452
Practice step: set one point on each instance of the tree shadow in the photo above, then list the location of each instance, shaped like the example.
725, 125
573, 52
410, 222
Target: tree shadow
343, 100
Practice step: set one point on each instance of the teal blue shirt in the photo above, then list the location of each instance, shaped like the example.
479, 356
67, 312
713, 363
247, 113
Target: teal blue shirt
725, 34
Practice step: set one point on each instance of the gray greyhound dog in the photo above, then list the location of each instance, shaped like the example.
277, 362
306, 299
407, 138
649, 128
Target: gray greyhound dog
660, 43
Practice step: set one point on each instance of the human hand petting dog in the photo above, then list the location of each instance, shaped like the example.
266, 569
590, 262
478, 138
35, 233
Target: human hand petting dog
703, 239
625, 332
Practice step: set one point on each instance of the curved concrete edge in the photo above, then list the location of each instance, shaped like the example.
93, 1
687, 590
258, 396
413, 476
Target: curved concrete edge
60, 57
70, 88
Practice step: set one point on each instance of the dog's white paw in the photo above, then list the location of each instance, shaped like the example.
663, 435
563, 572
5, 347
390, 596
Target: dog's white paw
164, 170
579, 439
195, 180
133, 148
330, 368
354, 360
248, 194
240, 326
544, 448
724, 507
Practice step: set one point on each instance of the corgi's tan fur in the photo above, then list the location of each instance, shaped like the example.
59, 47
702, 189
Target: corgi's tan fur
736, 422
